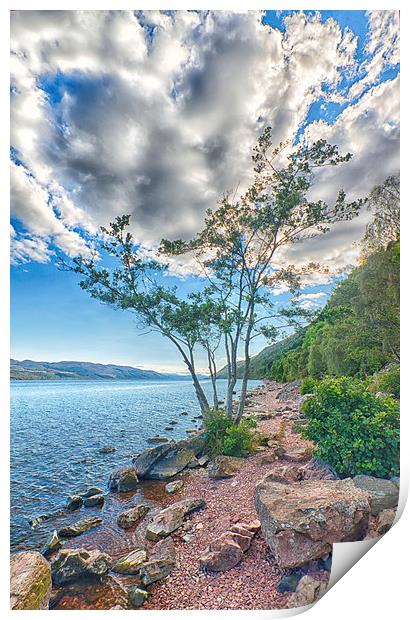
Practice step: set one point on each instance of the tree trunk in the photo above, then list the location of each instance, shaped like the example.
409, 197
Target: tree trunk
241, 406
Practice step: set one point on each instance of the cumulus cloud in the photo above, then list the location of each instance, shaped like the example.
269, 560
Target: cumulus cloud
155, 114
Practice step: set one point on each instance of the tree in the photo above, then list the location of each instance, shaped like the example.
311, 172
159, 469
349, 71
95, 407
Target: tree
241, 238
384, 202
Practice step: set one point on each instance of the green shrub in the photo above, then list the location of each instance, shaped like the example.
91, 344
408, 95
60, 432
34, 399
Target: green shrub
387, 381
308, 385
354, 431
222, 436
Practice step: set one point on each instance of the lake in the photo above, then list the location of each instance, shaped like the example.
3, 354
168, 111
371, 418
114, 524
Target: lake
58, 428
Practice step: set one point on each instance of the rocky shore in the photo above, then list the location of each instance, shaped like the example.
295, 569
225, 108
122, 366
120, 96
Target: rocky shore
228, 533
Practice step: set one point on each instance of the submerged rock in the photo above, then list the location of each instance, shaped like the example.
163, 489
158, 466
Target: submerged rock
130, 564
224, 467
383, 493
79, 527
53, 542
30, 581
45, 517
124, 479
157, 439
171, 518
133, 515
73, 564
74, 502
137, 596
90, 491
94, 500
107, 450
301, 521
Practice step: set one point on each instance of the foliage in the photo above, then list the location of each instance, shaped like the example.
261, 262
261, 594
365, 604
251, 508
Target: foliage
222, 436
384, 202
354, 431
387, 381
308, 385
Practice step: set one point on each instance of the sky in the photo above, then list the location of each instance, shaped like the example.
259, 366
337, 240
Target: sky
155, 114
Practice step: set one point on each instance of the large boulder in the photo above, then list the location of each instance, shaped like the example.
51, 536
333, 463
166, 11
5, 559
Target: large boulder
168, 459
74, 564
301, 521
224, 467
124, 479
133, 515
171, 518
75, 529
30, 581
131, 563
383, 493
227, 550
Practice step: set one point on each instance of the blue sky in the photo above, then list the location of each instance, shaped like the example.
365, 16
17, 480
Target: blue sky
146, 114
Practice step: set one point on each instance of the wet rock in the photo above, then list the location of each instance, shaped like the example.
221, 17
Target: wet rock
171, 465
91, 491
74, 564
137, 596
124, 479
167, 460
227, 550
79, 527
173, 487
107, 450
300, 521
184, 413
74, 502
133, 515
307, 592
94, 500
169, 428
157, 439
144, 461
45, 517
224, 467
130, 564
53, 542
155, 570
171, 518
30, 581
383, 493
385, 521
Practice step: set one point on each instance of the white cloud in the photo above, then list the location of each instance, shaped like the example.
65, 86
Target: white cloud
163, 110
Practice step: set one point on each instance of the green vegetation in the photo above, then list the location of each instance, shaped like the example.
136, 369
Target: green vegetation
355, 431
308, 385
224, 437
387, 381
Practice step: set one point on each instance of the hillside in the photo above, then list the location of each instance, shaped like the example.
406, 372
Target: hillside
261, 363
28, 369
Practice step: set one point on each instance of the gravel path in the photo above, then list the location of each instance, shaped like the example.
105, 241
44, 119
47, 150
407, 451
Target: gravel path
252, 583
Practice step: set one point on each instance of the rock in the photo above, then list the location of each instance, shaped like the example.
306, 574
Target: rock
316, 469
144, 461
396, 481
173, 487
383, 493
167, 460
164, 549
107, 450
133, 515
300, 521
184, 413
203, 460
224, 467
298, 454
157, 439
74, 502
50, 515
171, 464
385, 521
130, 564
79, 527
94, 500
169, 428
171, 518
155, 570
137, 596
193, 463
307, 592
91, 491
227, 550
289, 582
30, 581
124, 479
51, 544
73, 564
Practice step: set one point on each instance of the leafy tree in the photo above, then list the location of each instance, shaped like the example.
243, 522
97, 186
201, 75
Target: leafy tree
384, 202
237, 247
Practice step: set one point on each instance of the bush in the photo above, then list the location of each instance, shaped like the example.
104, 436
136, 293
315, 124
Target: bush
354, 431
308, 385
222, 436
387, 381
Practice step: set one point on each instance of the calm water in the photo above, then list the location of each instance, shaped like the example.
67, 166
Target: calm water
57, 428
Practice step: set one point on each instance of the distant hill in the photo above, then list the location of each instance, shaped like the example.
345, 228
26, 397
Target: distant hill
28, 369
262, 362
